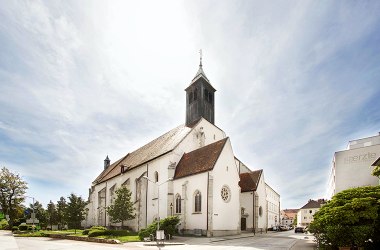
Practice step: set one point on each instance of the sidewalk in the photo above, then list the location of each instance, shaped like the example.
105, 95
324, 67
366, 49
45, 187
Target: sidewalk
7, 240
191, 240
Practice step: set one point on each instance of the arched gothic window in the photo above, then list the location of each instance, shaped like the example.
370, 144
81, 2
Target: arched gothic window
197, 202
178, 209
195, 94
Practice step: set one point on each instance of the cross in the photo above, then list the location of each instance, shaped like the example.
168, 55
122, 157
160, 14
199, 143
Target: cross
200, 54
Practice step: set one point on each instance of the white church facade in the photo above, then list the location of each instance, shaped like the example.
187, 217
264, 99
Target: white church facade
190, 171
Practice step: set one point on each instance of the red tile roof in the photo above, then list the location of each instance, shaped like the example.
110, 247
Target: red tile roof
249, 181
199, 160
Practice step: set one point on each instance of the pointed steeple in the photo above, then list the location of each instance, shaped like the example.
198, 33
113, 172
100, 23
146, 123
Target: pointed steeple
200, 72
107, 162
200, 99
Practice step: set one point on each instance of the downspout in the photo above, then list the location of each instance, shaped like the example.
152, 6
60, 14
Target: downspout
146, 198
253, 212
208, 176
105, 205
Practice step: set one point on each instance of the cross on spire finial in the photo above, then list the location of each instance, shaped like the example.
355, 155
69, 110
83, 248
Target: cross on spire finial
200, 55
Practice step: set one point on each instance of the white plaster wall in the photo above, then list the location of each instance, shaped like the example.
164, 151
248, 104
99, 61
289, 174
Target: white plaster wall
226, 173
246, 201
189, 219
132, 175
304, 217
353, 168
261, 192
192, 142
273, 207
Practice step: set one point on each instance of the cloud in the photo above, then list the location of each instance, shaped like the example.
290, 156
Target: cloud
295, 81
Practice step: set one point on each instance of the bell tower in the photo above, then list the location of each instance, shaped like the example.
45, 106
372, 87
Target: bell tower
200, 98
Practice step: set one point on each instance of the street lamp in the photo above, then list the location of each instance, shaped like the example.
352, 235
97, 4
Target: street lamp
158, 200
33, 215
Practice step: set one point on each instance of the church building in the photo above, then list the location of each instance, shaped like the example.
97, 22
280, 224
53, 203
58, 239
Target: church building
191, 172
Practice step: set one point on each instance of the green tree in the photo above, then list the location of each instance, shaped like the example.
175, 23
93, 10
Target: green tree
351, 217
52, 215
40, 213
75, 211
376, 171
122, 208
12, 190
61, 208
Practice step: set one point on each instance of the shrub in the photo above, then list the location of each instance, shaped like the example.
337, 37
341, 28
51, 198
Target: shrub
86, 231
169, 225
4, 224
96, 232
23, 227
14, 228
98, 228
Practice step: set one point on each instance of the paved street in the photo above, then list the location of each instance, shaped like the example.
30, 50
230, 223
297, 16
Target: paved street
280, 240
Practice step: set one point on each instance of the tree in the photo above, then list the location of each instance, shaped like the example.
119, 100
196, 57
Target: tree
12, 190
52, 215
39, 212
75, 211
61, 208
351, 217
122, 209
376, 171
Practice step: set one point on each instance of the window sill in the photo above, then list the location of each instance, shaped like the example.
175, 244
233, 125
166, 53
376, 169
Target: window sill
197, 213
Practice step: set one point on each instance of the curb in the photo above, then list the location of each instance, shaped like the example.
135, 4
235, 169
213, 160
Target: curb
88, 239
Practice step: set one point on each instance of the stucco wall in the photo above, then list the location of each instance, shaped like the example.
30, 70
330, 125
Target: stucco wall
225, 173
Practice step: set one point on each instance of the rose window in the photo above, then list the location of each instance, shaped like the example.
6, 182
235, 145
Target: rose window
225, 193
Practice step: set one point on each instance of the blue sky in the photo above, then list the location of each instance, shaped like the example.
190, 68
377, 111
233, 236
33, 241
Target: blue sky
79, 80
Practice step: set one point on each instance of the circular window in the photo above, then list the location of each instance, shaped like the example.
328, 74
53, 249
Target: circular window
260, 211
225, 193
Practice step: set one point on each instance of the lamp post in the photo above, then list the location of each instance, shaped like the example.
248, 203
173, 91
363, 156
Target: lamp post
33, 215
158, 198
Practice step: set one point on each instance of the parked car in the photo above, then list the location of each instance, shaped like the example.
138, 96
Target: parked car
298, 230
284, 228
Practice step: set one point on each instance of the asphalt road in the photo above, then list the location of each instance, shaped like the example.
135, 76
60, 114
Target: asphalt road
272, 241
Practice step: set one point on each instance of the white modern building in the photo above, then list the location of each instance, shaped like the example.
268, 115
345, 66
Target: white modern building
190, 171
352, 167
306, 214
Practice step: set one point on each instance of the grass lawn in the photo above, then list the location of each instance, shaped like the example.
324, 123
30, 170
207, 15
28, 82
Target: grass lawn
123, 239
131, 237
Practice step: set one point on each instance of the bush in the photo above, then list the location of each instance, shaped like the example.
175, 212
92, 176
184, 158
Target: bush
95, 233
86, 231
4, 224
23, 227
169, 225
14, 228
98, 228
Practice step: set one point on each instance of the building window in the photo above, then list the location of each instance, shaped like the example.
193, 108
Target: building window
310, 211
261, 211
195, 94
225, 193
190, 97
156, 176
178, 204
197, 202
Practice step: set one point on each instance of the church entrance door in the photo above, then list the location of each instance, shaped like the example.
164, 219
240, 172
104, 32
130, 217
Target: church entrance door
243, 224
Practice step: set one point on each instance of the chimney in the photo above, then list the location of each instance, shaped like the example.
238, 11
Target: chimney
106, 163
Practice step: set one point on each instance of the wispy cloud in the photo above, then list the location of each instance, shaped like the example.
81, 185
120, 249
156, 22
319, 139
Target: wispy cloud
295, 81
